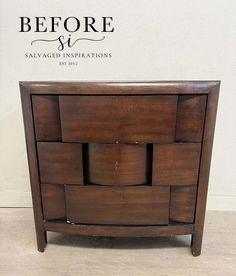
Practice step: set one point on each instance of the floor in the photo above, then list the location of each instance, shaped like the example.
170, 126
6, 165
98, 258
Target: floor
68, 255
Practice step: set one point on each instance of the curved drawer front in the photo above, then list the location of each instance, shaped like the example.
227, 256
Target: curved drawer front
118, 118
176, 164
46, 117
118, 164
60, 163
117, 205
190, 118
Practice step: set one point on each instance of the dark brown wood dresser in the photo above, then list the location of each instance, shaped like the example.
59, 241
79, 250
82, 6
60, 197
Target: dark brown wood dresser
120, 159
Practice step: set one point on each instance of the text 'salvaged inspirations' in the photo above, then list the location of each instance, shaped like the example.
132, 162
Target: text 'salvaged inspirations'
66, 33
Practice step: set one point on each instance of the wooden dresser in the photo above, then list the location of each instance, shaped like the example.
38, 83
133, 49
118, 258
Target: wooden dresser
120, 159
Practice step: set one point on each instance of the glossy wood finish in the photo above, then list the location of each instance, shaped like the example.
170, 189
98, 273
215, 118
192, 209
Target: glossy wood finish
118, 164
176, 164
60, 163
120, 231
41, 235
190, 118
179, 89
210, 120
53, 199
117, 205
46, 118
120, 88
118, 119
182, 203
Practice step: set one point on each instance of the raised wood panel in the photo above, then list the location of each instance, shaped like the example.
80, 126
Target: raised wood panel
53, 200
118, 164
176, 164
60, 163
190, 118
137, 205
118, 118
182, 203
46, 118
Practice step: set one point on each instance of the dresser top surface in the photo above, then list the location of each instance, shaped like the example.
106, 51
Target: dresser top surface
116, 88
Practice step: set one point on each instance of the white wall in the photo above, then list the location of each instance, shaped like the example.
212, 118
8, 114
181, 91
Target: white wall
153, 40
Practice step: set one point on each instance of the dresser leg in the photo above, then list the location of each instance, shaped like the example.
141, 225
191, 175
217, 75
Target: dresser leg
196, 244
41, 240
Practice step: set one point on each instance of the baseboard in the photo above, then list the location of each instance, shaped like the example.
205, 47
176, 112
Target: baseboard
23, 199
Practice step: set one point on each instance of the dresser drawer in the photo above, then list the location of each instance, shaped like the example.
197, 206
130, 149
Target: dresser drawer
118, 118
118, 164
117, 205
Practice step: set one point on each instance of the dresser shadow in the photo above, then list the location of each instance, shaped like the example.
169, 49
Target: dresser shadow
118, 242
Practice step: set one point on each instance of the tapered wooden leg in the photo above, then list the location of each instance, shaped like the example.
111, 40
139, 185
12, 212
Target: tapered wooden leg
196, 244
203, 178
41, 240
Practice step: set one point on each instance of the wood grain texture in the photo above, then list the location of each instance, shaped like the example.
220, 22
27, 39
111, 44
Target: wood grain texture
118, 164
60, 163
137, 205
123, 119
53, 199
120, 231
211, 111
182, 203
118, 88
41, 235
46, 118
184, 89
176, 164
190, 118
